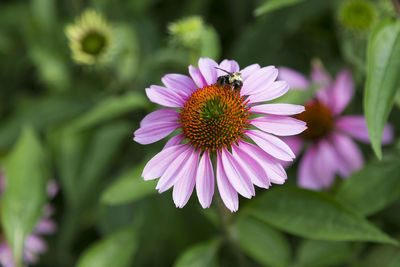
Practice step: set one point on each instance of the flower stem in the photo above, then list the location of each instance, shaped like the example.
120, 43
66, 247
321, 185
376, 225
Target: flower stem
225, 219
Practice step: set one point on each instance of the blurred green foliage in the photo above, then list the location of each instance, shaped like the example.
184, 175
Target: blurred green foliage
75, 122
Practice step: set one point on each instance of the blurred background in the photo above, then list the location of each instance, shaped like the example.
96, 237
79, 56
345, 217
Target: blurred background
70, 102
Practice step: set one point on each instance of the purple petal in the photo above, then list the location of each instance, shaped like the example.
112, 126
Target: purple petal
6, 258
319, 75
259, 81
275, 172
275, 90
271, 144
161, 115
176, 170
174, 141
318, 166
228, 194
246, 72
156, 126
348, 153
205, 181
48, 210
154, 132
324, 95
295, 79
228, 65
208, 70
164, 96
296, 144
45, 226
306, 177
197, 77
179, 83
356, 126
325, 163
160, 162
279, 125
30, 257
184, 185
277, 109
35, 244
237, 176
342, 91
256, 172
52, 188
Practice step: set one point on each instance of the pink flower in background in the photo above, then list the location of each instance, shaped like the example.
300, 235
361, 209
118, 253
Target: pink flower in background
215, 125
329, 149
34, 244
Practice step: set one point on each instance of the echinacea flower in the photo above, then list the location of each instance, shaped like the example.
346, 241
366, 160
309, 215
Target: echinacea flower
329, 149
90, 38
216, 126
34, 244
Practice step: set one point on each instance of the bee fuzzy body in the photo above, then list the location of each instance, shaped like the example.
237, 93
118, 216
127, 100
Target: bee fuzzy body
232, 79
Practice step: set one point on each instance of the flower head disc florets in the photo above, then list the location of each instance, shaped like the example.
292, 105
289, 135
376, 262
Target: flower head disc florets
319, 119
214, 117
357, 15
91, 38
93, 43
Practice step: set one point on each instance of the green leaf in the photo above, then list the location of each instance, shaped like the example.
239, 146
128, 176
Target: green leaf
314, 215
379, 255
261, 242
316, 253
103, 148
271, 5
397, 99
128, 188
69, 152
44, 13
115, 250
128, 53
200, 255
51, 67
26, 174
383, 79
395, 262
84, 157
40, 113
379, 179
108, 109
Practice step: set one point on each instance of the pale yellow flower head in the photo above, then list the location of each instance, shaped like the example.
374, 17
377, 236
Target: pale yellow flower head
91, 38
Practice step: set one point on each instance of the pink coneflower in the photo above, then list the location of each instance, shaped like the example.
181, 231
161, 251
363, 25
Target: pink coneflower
34, 244
329, 150
216, 126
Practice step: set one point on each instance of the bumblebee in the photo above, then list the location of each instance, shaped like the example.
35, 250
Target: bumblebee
233, 79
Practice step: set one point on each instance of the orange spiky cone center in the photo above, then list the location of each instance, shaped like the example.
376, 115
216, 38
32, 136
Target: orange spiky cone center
214, 117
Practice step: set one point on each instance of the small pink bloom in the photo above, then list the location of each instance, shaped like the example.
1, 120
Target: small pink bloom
329, 148
216, 126
34, 244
